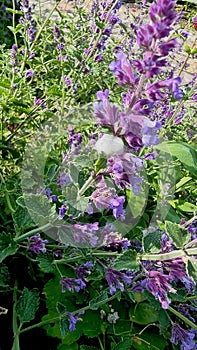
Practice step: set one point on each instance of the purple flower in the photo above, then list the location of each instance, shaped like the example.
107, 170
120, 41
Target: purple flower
56, 32
85, 233
29, 73
102, 95
115, 240
72, 284
158, 284
123, 71
73, 319
106, 198
117, 206
113, 278
186, 338
62, 211
13, 55
83, 271
37, 245
63, 179
31, 34
124, 170
68, 81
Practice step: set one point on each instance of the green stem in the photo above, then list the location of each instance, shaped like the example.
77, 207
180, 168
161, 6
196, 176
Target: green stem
86, 185
13, 21
171, 255
183, 318
16, 330
32, 232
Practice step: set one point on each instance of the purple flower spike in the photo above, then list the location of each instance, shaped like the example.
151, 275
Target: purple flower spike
73, 319
186, 338
62, 211
29, 73
72, 284
113, 278
123, 71
37, 245
83, 271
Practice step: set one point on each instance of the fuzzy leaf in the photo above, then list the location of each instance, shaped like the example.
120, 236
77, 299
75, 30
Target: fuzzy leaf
191, 267
152, 242
143, 314
124, 344
46, 262
7, 246
127, 261
27, 305
178, 235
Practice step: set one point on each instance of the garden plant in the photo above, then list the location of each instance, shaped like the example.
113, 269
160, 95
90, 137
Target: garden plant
98, 243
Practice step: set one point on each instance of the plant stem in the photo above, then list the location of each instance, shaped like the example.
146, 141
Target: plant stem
32, 232
16, 345
13, 21
171, 255
186, 59
185, 319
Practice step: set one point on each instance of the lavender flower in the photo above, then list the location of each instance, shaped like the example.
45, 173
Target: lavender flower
106, 198
13, 56
114, 240
83, 271
62, 211
113, 278
63, 179
29, 73
73, 319
186, 338
72, 284
37, 245
85, 233
124, 170
158, 284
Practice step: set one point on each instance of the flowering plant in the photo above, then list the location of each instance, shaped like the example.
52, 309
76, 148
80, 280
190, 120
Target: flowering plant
96, 207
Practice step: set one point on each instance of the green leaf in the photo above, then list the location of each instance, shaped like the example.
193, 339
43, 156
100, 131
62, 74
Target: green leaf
152, 242
94, 304
7, 246
186, 48
64, 324
4, 276
22, 220
191, 267
73, 346
182, 151
124, 344
178, 235
143, 314
194, 51
46, 262
87, 347
127, 261
73, 172
150, 341
27, 305
92, 324
187, 207
136, 203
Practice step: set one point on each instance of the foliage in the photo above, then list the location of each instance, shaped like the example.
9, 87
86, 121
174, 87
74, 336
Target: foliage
98, 179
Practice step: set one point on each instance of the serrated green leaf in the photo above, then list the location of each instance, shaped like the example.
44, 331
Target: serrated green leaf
4, 276
46, 262
124, 344
27, 305
186, 48
143, 314
94, 304
182, 151
178, 235
152, 242
7, 246
191, 267
127, 261
22, 220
